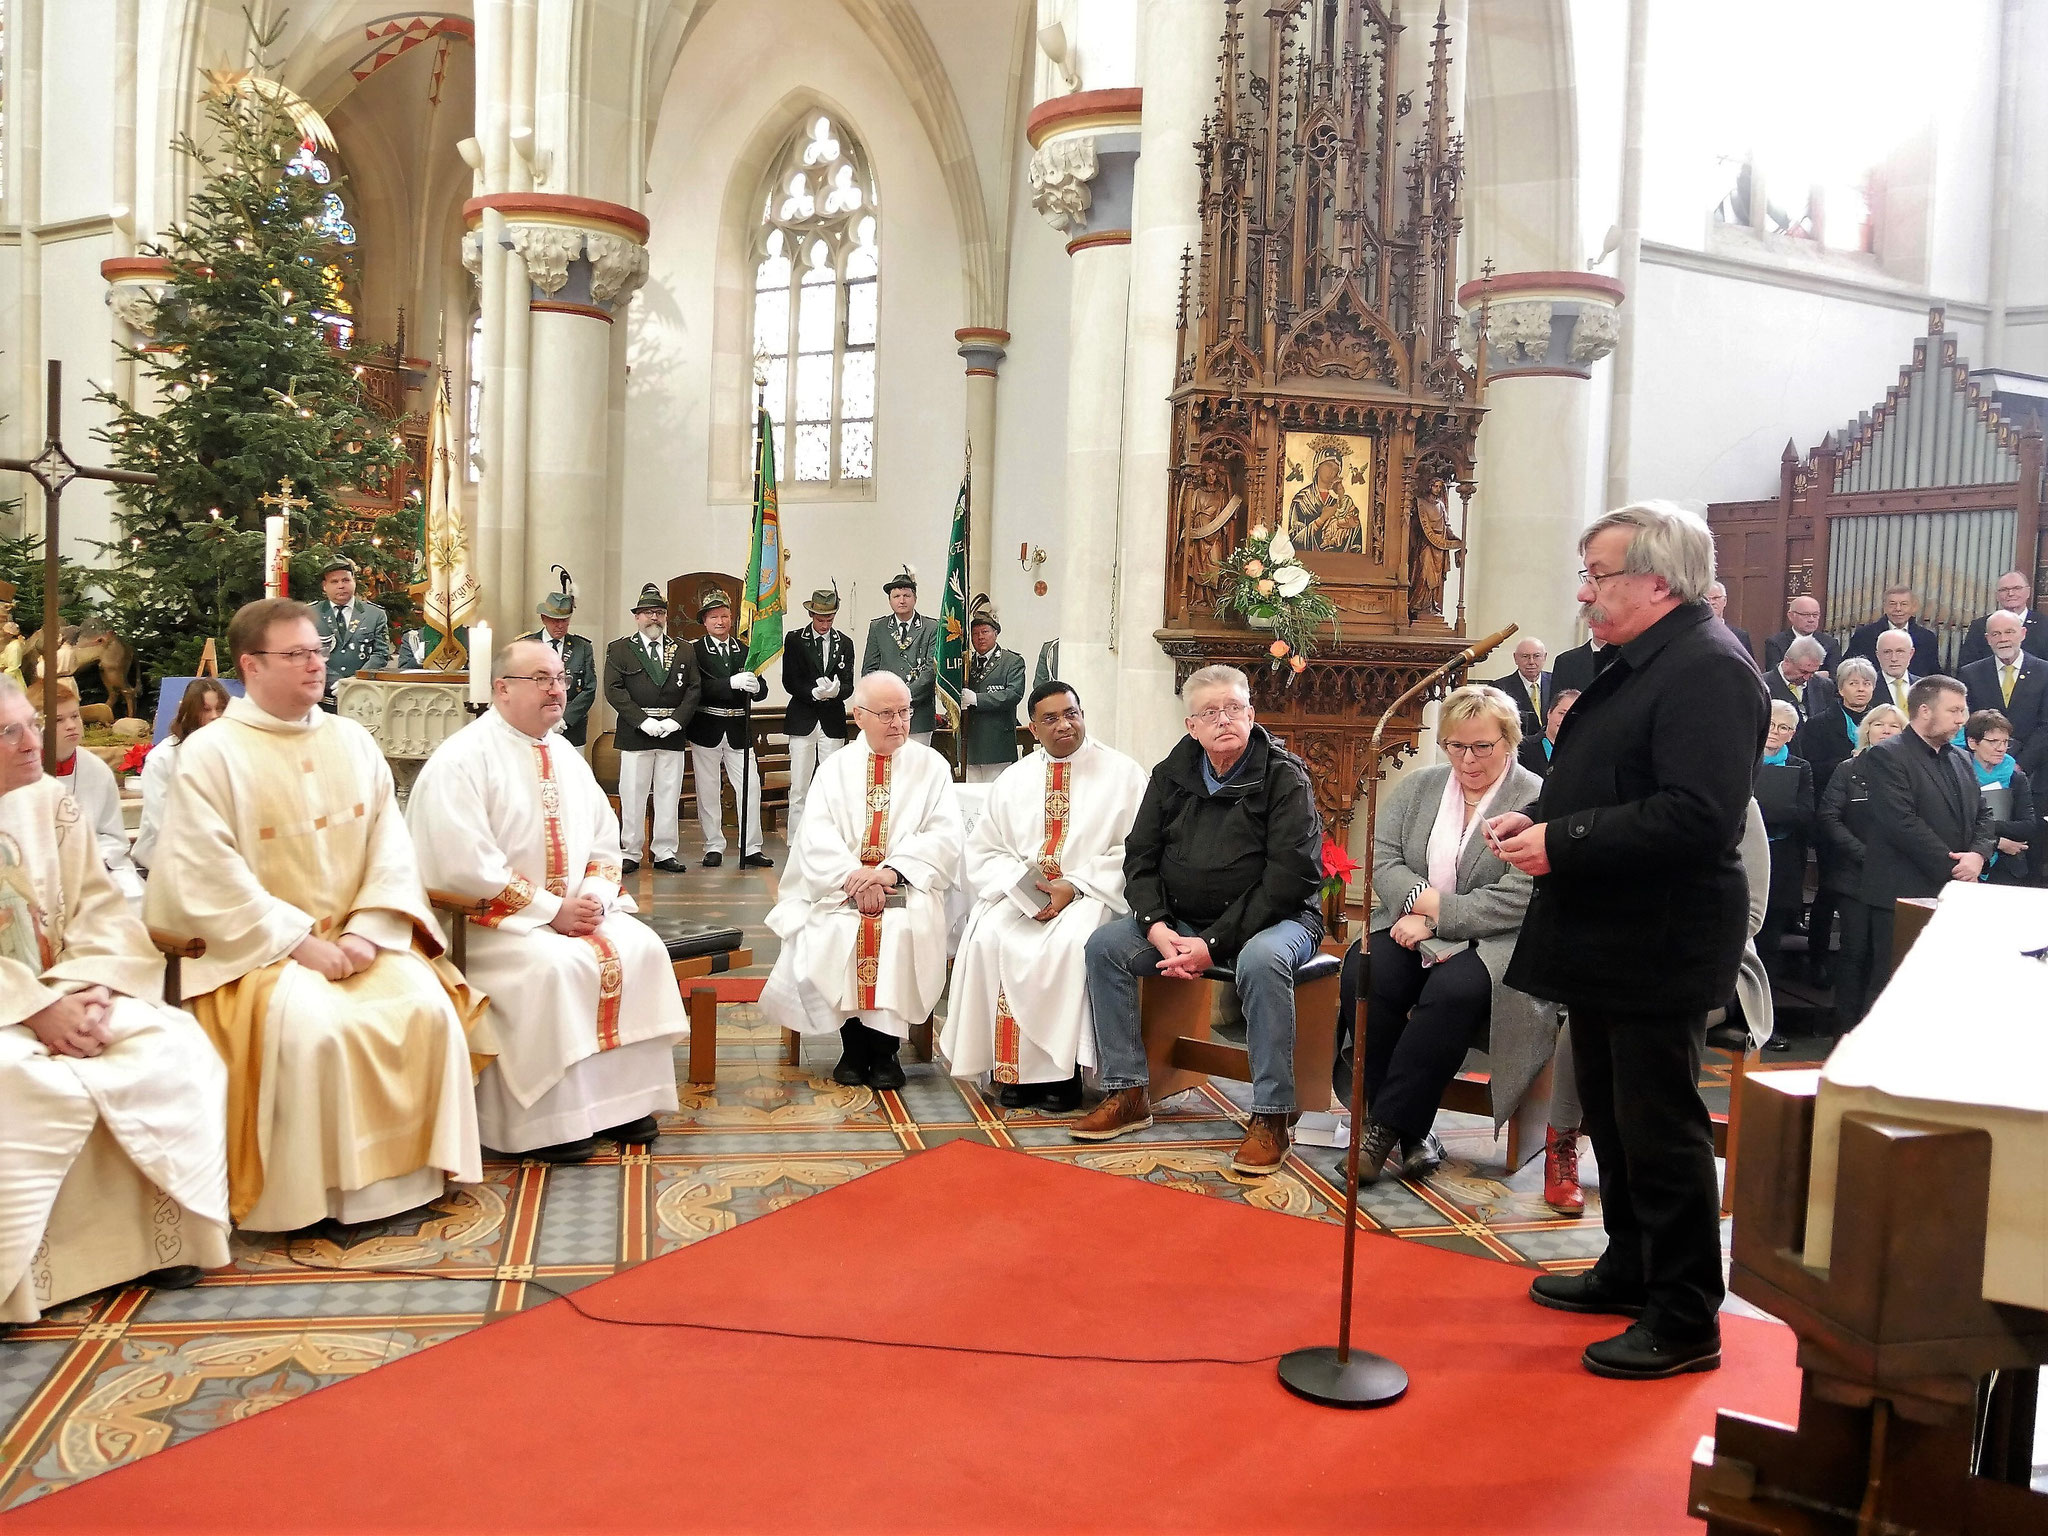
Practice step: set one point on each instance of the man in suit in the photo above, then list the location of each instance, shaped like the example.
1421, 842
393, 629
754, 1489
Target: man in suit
577, 656
2015, 596
1796, 680
1717, 599
651, 683
995, 686
1048, 668
1639, 919
718, 732
905, 642
1529, 685
1895, 671
1535, 751
1802, 617
357, 634
817, 674
1576, 668
1929, 823
1898, 618
2016, 685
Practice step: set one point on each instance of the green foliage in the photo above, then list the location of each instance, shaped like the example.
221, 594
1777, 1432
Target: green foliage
251, 393
21, 562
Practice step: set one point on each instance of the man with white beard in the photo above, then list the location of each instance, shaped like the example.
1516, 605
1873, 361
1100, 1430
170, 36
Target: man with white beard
585, 1004
862, 914
106, 1096
1046, 861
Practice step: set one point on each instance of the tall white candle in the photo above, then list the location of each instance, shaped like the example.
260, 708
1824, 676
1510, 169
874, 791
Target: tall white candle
273, 556
480, 663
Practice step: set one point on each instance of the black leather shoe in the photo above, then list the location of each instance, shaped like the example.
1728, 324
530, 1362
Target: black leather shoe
1015, 1095
672, 866
1778, 1043
577, 1151
884, 1071
627, 866
1373, 1152
1061, 1098
757, 861
634, 1132
1581, 1293
713, 859
853, 1055
176, 1277
1640, 1355
1420, 1159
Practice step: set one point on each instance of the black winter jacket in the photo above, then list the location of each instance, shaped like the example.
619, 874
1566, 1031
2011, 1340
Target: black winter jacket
1231, 863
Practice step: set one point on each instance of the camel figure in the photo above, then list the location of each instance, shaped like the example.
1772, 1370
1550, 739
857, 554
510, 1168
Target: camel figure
82, 646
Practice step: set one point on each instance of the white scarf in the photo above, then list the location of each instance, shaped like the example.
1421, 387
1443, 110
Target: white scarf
1447, 838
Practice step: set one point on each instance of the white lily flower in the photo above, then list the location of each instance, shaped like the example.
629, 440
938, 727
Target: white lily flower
1291, 580
1258, 530
1281, 549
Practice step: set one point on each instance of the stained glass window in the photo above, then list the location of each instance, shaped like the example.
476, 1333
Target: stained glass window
816, 266
333, 212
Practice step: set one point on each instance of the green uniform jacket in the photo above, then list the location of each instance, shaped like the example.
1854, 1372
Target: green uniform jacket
579, 660
636, 688
915, 660
997, 683
366, 645
1048, 664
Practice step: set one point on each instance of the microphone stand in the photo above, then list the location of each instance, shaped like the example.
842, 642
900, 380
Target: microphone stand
1344, 1377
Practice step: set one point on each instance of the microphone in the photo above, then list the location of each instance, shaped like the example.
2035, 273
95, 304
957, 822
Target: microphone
1479, 650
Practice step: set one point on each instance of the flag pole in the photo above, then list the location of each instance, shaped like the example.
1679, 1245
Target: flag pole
753, 599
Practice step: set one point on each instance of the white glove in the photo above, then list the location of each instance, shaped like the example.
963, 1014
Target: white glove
658, 728
830, 687
746, 682
560, 727
821, 690
967, 698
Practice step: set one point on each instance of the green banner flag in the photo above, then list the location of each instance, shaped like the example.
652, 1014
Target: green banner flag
953, 615
761, 599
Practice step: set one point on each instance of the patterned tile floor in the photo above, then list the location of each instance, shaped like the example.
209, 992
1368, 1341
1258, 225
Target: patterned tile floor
125, 1373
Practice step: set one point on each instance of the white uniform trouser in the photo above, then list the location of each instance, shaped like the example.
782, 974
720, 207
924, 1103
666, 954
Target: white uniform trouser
662, 773
707, 761
805, 754
984, 773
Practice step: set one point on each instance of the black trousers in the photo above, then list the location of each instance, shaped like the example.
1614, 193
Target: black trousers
1639, 1081
1419, 1023
1866, 945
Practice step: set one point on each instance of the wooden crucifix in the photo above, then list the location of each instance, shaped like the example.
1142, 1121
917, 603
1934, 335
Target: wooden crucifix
53, 469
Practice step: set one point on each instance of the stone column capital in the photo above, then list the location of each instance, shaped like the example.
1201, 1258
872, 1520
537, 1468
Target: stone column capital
1084, 156
983, 348
582, 256
134, 284
1541, 323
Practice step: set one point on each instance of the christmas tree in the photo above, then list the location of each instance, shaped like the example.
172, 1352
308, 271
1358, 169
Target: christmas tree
252, 391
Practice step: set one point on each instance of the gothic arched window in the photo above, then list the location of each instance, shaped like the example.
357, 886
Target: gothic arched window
816, 264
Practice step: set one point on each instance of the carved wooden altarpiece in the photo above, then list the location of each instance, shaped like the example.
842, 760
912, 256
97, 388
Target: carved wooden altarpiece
1319, 385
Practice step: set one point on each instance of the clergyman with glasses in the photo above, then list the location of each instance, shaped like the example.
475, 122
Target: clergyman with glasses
1221, 867
862, 900
584, 1002
1639, 919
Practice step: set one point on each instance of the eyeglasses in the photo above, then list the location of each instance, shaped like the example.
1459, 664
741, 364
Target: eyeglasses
1478, 751
12, 736
538, 679
1219, 712
1589, 579
1069, 716
886, 716
297, 656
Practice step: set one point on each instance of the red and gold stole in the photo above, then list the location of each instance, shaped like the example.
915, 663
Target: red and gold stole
1057, 821
874, 843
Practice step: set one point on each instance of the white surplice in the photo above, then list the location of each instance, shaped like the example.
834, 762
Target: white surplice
586, 1028
1019, 1003
93, 785
887, 972
158, 1087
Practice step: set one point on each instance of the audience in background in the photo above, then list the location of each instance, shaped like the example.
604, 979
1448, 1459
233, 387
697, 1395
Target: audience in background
1784, 793
2015, 683
1529, 685
1832, 739
203, 701
2007, 791
1844, 821
1534, 753
1796, 680
1717, 599
1895, 672
1899, 610
2015, 596
1802, 617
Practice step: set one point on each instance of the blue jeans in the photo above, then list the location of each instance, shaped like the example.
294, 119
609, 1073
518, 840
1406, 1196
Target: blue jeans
1119, 953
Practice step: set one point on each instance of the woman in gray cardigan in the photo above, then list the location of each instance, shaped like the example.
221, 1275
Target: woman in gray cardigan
1446, 914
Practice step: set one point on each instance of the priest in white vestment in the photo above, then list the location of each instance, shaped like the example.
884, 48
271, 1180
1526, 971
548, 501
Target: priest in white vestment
113, 1151
351, 1044
89, 781
1046, 866
584, 1004
862, 908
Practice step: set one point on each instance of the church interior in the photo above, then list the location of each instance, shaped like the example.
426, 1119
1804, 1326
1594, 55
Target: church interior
1134, 339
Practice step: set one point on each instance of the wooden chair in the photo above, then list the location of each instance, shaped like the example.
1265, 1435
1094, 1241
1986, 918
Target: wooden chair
175, 951
1177, 1016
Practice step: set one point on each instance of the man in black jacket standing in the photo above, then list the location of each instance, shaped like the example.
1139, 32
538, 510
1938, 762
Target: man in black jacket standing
651, 681
1900, 609
1220, 868
1638, 922
720, 734
817, 674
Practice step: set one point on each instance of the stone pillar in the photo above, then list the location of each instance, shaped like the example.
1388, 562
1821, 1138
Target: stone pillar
1544, 333
581, 260
1084, 163
133, 285
982, 349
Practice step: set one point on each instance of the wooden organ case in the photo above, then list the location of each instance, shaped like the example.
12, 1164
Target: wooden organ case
1319, 387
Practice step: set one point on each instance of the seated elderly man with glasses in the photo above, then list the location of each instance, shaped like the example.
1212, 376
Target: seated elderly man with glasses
585, 1005
1220, 868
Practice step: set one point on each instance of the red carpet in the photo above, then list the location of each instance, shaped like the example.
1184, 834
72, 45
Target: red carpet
548, 1422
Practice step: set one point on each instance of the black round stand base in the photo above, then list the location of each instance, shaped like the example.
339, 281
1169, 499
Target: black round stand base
1363, 1381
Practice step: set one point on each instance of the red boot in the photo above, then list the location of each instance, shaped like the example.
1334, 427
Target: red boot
1561, 1190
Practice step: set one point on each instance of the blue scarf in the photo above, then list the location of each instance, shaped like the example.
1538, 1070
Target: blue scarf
1778, 758
2001, 775
1547, 745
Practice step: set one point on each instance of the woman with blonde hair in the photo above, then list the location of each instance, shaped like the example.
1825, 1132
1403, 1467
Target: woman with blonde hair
1446, 912
1844, 819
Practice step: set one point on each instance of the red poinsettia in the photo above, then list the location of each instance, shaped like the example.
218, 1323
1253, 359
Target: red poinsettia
131, 760
1338, 866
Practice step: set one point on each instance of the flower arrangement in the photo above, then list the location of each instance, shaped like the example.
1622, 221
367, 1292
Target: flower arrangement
131, 760
1338, 867
1264, 582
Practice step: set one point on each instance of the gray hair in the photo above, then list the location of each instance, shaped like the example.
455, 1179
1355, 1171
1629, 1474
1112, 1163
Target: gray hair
864, 691
1665, 540
1855, 666
1806, 648
11, 690
1217, 676
1784, 712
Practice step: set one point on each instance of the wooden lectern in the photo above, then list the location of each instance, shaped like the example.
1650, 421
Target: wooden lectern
1903, 1428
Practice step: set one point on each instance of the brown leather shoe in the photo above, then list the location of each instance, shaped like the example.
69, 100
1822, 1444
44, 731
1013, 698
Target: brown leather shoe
1264, 1147
1126, 1110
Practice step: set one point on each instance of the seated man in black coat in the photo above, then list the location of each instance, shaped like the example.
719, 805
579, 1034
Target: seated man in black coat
1717, 599
1802, 617
2015, 596
2015, 684
1899, 607
1639, 922
1221, 867
1929, 822
1796, 680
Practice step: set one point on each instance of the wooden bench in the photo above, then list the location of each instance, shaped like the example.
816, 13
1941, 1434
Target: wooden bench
1177, 1016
